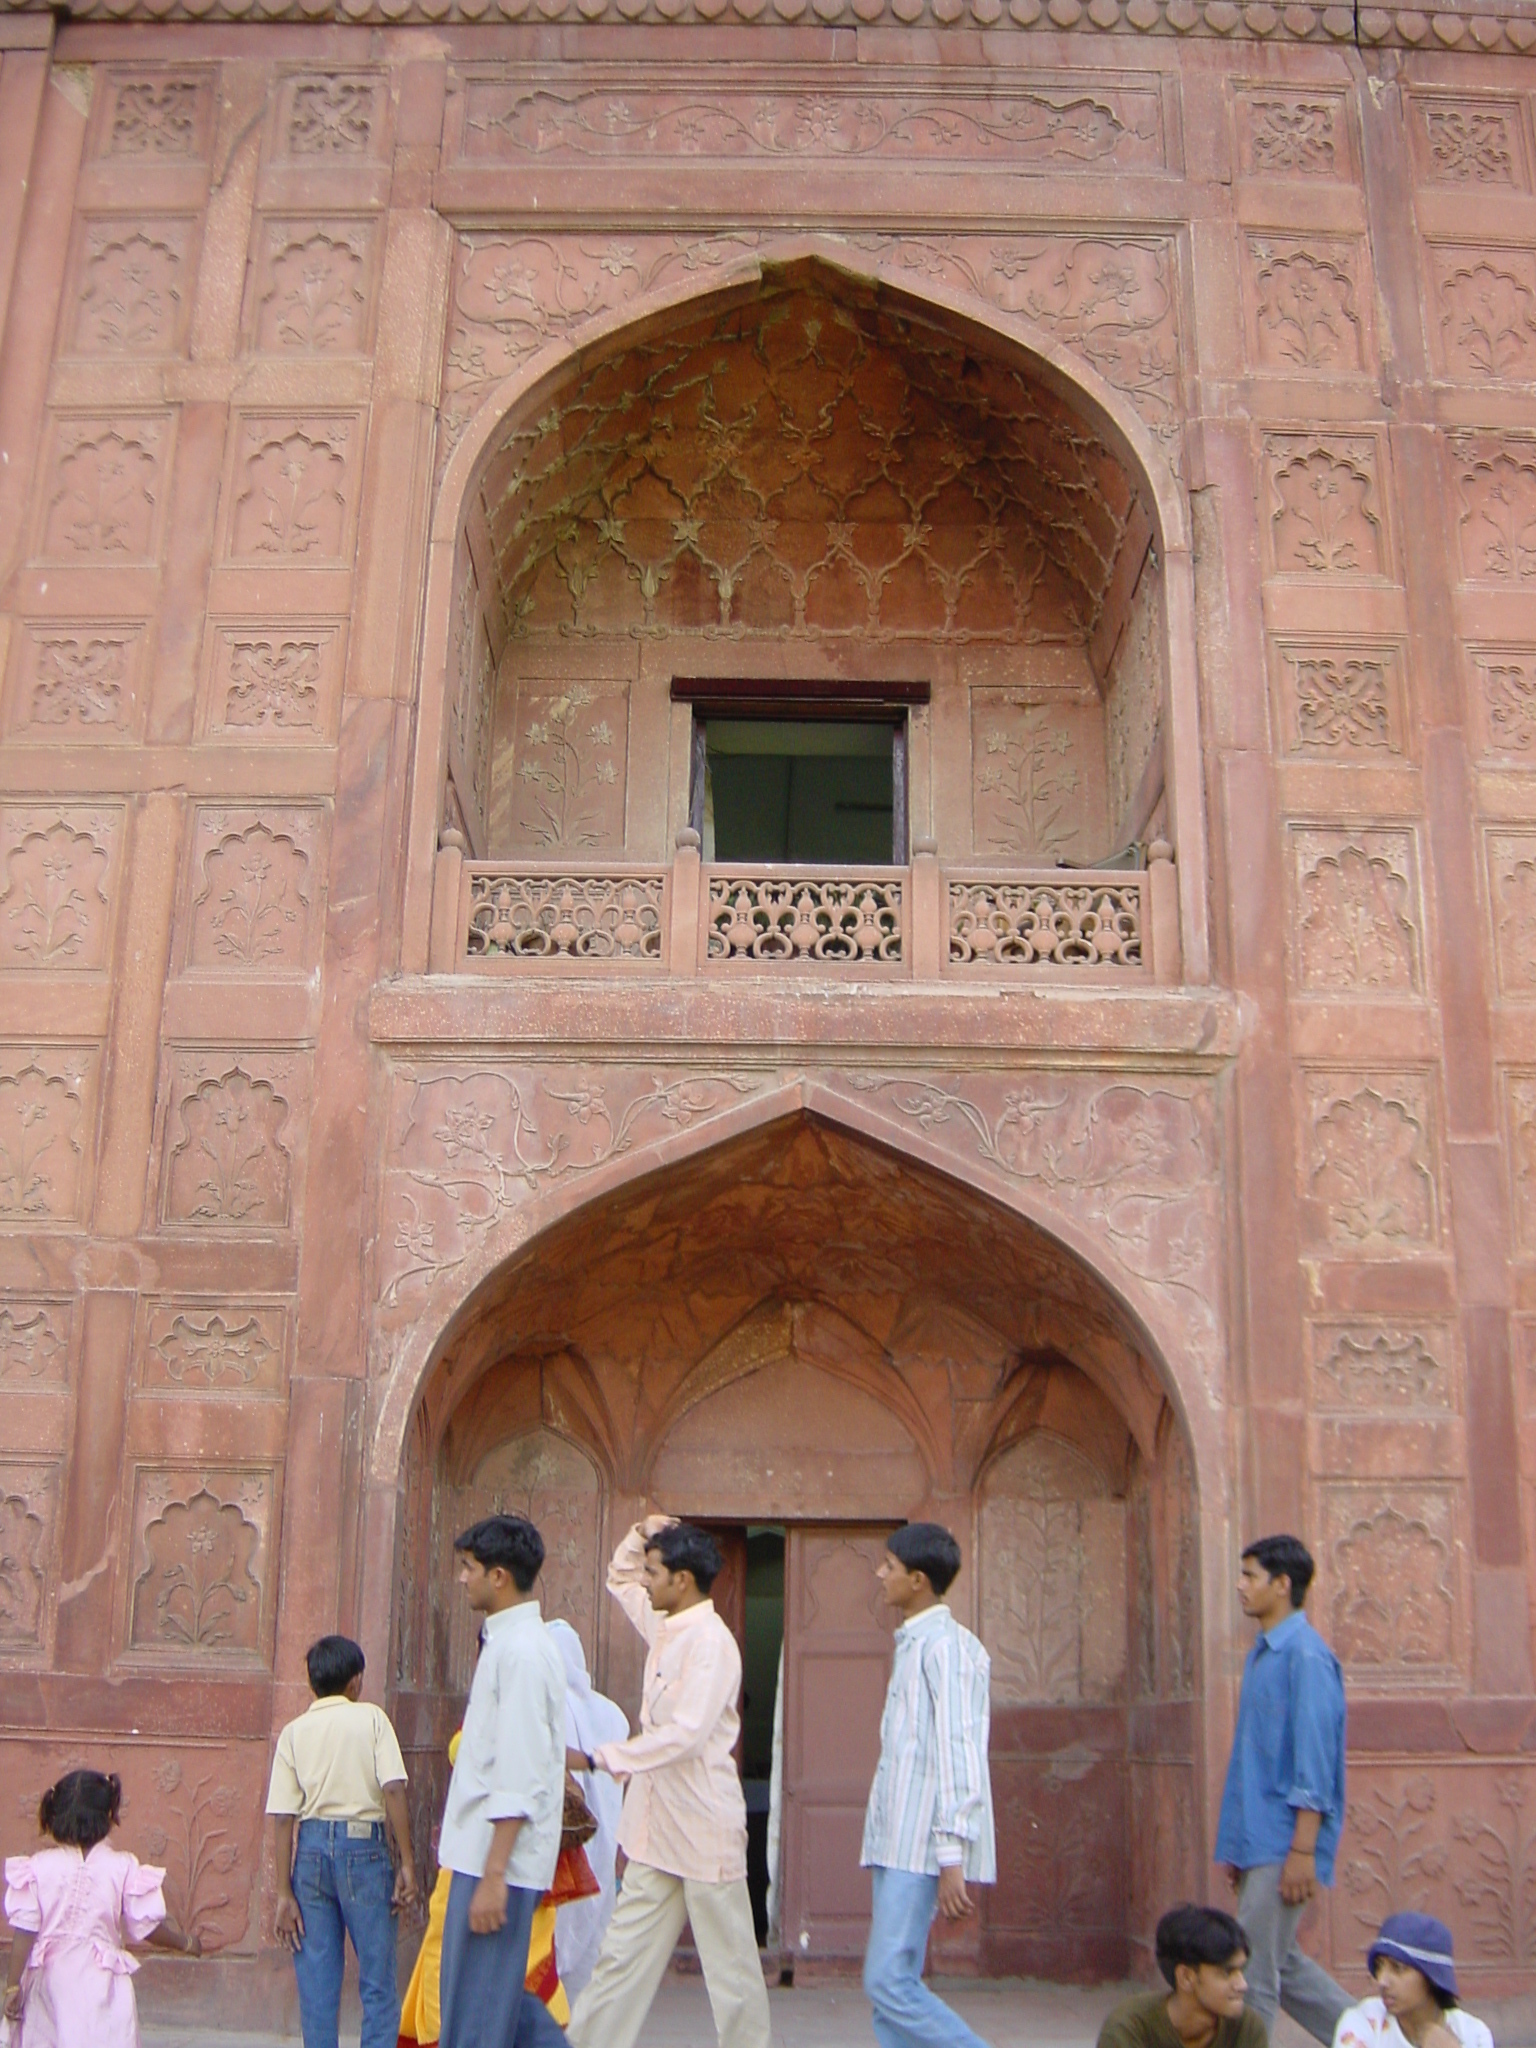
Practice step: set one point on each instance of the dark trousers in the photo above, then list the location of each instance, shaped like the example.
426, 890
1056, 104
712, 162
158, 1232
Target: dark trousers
483, 2000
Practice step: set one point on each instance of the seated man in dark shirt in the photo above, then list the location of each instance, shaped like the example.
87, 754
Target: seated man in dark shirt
1201, 1952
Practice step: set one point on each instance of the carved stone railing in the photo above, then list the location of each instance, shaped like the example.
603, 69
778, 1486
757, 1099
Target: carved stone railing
1072, 921
549, 915
924, 922
826, 916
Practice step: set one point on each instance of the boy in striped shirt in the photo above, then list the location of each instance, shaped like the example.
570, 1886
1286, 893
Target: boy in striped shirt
928, 1829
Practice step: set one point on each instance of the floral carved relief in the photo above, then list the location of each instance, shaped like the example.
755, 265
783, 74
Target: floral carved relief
1400, 1851
292, 489
1512, 895
200, 1547
1292, 135
197, 1841
1497, 1881
230, 1142
55, 873
1306, 305
1325, 516
1504, 699
273, 685
202, 1347
46, 1111
1356, 911
103, 490
1391, 1594
159, 116
28, 1511
1382, 1367
1469, 142
314, 287
255, 891
1037, 776
34, 1342
1486, 311
569, 766
1497, 528
131, 291
75, 681
1521, 1097
332, 118
1369, 1162
1335, 702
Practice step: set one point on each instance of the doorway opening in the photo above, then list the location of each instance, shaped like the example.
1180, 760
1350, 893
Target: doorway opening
762, 1682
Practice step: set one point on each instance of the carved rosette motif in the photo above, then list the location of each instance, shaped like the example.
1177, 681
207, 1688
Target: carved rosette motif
331, 119
34, 1341
1382, 1367
273, 684
158, 117
1293, 134
75, 681
195, 1346
1470, 143
1336, 701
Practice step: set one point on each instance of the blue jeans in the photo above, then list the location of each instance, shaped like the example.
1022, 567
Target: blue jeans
906, 2013
344, 1882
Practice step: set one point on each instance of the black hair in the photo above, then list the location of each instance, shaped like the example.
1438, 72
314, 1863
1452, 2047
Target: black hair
333, 1663
1285, 1557
682, 1547
508, 1541
1196, 1935
927, 1547
82, 1808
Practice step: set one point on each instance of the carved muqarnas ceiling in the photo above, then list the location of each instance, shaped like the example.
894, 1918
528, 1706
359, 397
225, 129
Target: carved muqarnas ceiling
813, 460
874, 1258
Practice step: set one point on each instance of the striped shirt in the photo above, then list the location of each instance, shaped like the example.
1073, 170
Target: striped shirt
931, 1802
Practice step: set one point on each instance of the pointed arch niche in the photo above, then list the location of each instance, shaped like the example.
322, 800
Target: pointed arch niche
800, 1328
806, 478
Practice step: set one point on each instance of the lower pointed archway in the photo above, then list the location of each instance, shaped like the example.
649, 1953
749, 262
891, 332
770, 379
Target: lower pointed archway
802, 1335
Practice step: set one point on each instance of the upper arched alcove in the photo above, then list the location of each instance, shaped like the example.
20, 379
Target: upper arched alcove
809, 480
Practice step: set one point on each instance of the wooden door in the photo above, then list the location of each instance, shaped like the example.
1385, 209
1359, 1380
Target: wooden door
837, 1660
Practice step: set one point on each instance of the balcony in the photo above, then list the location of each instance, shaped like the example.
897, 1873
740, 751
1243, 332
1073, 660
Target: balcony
929, 922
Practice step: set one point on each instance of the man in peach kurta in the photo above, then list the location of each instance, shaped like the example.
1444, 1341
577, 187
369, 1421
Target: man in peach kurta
684, 1828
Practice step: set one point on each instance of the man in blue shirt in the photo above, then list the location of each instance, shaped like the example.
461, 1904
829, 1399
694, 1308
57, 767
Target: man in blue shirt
1283, 1806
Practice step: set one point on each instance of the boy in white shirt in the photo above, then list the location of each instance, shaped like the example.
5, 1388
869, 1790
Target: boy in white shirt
1416, 2004
339, 1774
506, 1801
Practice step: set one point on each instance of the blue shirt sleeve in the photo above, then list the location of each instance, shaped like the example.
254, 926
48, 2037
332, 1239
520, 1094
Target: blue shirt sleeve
1316, 1730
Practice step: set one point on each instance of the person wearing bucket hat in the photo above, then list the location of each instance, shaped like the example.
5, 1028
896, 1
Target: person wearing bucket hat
1416, 2002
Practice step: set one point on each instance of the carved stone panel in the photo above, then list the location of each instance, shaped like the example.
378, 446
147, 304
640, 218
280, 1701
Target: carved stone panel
1324, 511
29, 1502
293, 488
1369, 1175
1339, 702
104, 489
1512, 900
1520, 1098
256, 883
58, 874
1391, 1601
312, 289
157, 116
1293, 134
333, 118
1053, 1597
1496, 498
1308, 311
190, 1345
1357, 916
1037, 776
34, 1341
232, 1129
202, 1572
47, 1133
1483, 311
131, 294
1383, 1367
568, 771
1503, 701
278, 684
1052, 121
1469, 142
76, 680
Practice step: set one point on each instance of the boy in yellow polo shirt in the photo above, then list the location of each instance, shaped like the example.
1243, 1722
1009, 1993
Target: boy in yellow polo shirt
339, 1774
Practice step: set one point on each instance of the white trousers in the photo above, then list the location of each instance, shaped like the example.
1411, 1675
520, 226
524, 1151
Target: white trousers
638, 1946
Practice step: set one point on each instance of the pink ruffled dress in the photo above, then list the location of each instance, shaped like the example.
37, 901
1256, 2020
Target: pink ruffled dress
77, 1990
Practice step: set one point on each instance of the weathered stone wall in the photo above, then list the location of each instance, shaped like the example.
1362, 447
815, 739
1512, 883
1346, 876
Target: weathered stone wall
268, 292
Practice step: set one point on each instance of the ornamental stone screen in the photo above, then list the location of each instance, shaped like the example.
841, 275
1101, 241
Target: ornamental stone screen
422, 422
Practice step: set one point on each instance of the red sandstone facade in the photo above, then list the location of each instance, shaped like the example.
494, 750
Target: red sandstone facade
414, 417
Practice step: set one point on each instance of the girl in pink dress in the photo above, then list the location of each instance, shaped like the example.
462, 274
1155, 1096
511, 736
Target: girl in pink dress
71, 1908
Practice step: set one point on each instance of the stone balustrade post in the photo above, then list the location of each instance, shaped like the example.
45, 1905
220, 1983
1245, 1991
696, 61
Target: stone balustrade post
927, 925
687, 936
1163, 913
447, 941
